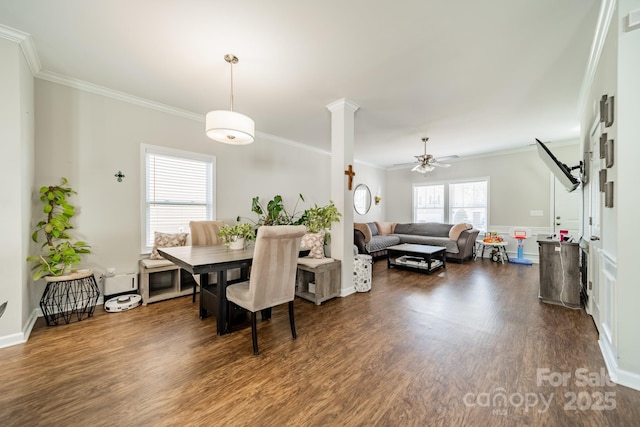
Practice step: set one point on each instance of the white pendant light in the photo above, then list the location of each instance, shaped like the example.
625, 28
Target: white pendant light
227, 126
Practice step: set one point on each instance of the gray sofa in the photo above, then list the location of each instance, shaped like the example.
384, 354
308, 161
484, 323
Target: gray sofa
374, 238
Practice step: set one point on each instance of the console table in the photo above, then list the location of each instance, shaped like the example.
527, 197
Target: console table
559, 272
65, 296
318, 280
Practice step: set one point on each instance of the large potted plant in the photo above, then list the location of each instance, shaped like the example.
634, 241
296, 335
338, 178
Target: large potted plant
318, 220
236, 236
59, 254
274, 213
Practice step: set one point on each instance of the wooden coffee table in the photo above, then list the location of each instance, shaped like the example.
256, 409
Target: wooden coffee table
422, 258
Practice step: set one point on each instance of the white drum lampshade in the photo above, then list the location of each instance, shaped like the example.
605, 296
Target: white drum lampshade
230, 127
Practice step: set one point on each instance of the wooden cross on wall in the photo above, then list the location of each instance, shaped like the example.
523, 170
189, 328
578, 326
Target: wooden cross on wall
350, 173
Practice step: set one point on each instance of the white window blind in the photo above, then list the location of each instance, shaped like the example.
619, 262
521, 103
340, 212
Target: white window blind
428, 203
179, 189
468, 203
452, 202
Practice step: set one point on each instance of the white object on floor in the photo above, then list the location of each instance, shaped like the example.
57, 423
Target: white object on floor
122, 303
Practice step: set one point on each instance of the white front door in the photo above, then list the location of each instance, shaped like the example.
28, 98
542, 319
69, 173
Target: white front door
566, 210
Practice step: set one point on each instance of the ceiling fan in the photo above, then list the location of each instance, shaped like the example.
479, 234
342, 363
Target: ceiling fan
427, 162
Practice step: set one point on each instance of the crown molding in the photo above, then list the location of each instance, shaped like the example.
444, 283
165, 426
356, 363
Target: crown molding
342, 103
291, 143
605, 16
371, 165
530, 147
142, 102
26, 44
120, 96
31, 55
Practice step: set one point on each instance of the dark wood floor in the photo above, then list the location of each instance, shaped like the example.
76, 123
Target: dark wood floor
441, 350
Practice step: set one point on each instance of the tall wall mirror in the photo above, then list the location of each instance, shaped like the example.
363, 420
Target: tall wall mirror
362, 199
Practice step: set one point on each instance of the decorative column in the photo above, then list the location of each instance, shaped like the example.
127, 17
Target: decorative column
342, 172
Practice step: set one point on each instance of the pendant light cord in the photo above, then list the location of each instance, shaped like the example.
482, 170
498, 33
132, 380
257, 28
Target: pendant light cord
231, 59
231, 97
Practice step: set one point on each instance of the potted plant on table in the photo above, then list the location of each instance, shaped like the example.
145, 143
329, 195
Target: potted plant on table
59, 253
236, 236
274, 213
318, 220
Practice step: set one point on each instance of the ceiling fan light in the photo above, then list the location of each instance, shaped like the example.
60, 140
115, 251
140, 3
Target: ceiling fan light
230, 127
422, 168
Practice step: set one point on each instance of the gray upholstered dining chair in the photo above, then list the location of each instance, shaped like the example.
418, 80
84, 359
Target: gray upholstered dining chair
204, 233
273, 274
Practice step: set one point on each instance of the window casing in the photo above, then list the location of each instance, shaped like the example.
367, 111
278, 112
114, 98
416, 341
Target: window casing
453, 202
178, 187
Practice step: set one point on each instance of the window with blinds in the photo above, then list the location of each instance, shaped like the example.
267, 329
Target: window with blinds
428, 203
453, 202
468, 202
179, 187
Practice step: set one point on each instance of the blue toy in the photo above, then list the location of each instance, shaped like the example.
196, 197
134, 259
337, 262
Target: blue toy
520, 236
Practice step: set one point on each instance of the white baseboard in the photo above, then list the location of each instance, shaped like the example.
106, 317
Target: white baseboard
609, 359
628, 379
617, 375
344, 292
13, 339
23, 336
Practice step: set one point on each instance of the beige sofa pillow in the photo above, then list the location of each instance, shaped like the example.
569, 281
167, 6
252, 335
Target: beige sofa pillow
361, 226
166, 240
385, 227
315, 243
455, 231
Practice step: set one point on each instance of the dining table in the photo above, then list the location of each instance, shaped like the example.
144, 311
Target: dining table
205, 260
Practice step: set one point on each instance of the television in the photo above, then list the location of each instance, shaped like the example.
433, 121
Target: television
561, 171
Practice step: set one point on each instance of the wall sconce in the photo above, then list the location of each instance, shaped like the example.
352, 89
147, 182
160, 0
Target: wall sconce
378, 199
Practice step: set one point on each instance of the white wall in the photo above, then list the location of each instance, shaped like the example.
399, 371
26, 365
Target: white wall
626, 194
519, 182
87, 138
374, 178
16, 168
616, 75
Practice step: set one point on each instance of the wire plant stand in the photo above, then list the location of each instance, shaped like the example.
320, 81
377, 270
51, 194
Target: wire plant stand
65, 296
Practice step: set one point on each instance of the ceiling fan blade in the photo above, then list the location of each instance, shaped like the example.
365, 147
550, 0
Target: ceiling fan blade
445, 158
442, 165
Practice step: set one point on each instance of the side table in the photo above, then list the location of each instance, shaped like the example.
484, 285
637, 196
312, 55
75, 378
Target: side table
65, 296
324, 273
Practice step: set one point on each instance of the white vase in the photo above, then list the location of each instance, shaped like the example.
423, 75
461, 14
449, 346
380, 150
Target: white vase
236, 244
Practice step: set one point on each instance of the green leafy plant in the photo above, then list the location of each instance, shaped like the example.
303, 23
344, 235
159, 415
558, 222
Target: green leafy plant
274, 213
58, 252
230, 233
319, 218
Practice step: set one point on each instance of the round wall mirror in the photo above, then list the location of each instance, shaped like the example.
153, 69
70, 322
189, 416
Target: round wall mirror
362, 199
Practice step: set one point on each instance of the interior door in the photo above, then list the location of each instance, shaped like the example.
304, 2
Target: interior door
566, 210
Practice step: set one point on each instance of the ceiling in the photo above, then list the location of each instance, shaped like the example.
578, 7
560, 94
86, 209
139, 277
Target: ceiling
473, 76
